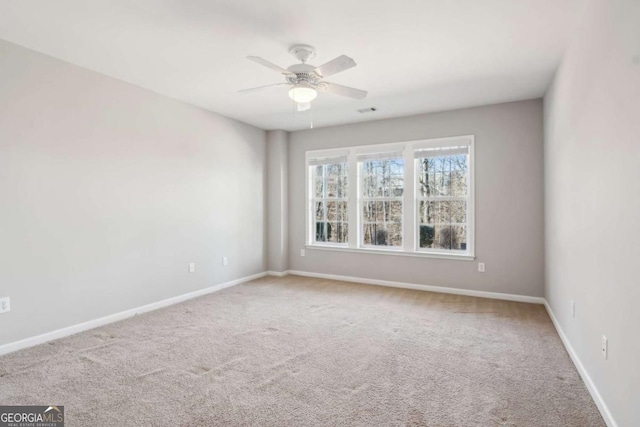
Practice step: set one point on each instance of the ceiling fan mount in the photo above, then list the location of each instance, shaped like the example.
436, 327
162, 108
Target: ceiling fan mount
305, 80
303, 52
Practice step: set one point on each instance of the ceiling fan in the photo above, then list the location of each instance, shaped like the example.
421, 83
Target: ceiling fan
305, 80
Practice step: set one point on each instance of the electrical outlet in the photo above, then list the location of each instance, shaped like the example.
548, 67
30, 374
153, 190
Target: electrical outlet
481, 267
192, 267
302, 252
605, 347
5, 305
573, 308
225, 260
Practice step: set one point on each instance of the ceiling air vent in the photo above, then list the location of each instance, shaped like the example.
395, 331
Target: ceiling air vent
367, 110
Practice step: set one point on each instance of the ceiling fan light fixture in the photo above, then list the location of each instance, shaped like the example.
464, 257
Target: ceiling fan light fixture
302, 93
304, 80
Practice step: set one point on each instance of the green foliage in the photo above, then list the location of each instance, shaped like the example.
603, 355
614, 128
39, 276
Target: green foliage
381, 237
427, 234
320, 232
449, 238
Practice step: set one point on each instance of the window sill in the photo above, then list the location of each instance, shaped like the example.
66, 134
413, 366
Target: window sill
459, 257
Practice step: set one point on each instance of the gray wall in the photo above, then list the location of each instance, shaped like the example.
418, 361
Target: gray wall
509, 199
592, 187
277, 198
108, 191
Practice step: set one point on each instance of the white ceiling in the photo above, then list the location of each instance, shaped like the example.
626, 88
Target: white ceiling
413, 56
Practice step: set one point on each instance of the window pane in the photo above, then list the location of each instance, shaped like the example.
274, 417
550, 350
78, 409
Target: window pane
444, 212
382, 212
372, 180
319, 209
458, 162
369, 185
369, 212
427, 212
442, 176
394, 210
336, 180
427, 235
375, 234
321, 231
318, 180
368, 231
458, 211
396, 166
383, 178
394, 234
336, 211
343, 212
461, 231
458, 183
442, 183
449, 237
426, 183
396, 186
344, 233
332, 211
443, 224
337, 232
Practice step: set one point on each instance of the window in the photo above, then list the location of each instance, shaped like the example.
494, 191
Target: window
442, 198
382, 187
330, 192
411, 198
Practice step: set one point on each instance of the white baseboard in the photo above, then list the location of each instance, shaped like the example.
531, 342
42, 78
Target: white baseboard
440, 289
595, 394
91, 324
277, 273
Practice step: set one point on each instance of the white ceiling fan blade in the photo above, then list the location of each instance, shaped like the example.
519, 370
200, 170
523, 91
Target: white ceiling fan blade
253, 89
335, 66
268, 64
344, 90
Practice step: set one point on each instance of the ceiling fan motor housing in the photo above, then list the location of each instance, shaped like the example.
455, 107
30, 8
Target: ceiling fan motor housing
303, 74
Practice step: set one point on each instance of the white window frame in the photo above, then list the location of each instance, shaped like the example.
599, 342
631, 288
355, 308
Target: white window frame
410, 199
363, 199
312, 199
469, 199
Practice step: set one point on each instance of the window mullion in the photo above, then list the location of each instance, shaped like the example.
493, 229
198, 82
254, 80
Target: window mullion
325, 229
352, 200
409, 212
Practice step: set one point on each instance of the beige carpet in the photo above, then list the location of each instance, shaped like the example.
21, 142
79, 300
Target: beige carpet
306, 352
